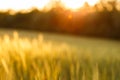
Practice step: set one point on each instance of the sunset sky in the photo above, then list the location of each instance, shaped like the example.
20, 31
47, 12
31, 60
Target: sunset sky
40, 4
22, 4
18, 5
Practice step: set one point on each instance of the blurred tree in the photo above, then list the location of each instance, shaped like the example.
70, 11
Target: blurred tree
104, 21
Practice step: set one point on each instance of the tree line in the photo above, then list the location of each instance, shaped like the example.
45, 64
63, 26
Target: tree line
99, 21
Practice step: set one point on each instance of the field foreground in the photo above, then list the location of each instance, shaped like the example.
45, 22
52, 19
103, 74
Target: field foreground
24, 58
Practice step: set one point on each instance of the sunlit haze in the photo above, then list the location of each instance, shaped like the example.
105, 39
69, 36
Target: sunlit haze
75, 4
22, 4
18, 5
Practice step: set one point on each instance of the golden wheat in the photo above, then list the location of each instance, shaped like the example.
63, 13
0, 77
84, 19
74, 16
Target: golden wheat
36, 59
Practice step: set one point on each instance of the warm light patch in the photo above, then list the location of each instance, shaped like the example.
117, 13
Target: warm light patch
92, 2
28, 5
76, 4
70, 16
73, 4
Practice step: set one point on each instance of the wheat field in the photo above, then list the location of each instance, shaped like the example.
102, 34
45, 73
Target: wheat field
22, 58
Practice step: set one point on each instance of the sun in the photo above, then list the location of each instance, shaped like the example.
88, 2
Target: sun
72, 4
76, 4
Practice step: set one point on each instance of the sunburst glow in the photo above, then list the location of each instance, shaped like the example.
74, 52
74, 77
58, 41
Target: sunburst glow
18, 5
75, 4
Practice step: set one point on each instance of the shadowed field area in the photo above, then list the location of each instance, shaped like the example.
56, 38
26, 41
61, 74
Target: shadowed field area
43, 56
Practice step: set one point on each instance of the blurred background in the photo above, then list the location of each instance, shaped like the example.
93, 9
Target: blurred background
90, 18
